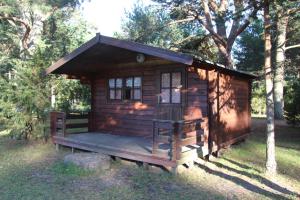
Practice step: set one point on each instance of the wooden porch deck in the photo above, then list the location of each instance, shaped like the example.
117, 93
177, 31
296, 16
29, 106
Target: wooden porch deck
129, 147
172, 144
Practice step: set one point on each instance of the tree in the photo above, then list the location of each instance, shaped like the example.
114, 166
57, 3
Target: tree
249, 56
153, 26
271, 165
22, 13
214, 17
24, 99
284, 12
291, 100
249, 49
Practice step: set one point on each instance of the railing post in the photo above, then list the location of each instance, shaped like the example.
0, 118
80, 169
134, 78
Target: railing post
154, 142
175, 141
53, 122
91, 118
58, 121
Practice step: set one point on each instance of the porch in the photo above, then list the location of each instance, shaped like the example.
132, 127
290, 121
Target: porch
173, 142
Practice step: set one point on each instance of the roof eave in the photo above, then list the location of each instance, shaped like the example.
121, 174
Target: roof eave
73, 54
222, 67
129, 45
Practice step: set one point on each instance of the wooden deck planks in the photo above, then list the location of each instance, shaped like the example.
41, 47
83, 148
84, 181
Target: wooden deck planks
129, 147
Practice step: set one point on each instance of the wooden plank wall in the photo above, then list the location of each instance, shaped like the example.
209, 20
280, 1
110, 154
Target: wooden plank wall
125, 118
197, 104
135, 118
229, 108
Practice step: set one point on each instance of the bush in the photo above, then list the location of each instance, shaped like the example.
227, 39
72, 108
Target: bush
292, 102
258, 99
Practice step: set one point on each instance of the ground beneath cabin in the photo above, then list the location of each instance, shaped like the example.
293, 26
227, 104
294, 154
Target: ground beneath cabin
32, 170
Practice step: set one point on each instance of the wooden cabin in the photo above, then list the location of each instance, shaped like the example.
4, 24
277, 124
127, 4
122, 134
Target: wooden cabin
153, 105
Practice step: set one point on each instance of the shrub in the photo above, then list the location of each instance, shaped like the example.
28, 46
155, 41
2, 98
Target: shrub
292, 102
258, 99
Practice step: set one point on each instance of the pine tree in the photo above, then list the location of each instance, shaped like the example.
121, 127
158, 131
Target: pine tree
25, 90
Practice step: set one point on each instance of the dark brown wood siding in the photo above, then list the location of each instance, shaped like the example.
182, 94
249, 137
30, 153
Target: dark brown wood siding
128, 117
220, 99
124, 117
229, 108
196, 106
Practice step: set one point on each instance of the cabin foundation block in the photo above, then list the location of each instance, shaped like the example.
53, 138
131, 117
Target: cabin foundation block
89, 161
145, 166
57, 147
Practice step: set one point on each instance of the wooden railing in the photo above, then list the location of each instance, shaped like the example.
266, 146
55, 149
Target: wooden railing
62, 123
171, 137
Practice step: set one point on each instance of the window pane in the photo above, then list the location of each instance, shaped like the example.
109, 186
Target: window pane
137, 94
118, 94
112, 83
119, 83
165, 80
129, 82
176, 95
137, 81
112, 94
176, 79
165, 96
128, 94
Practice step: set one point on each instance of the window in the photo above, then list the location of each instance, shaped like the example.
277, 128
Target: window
170, 87
115, 88
127, 88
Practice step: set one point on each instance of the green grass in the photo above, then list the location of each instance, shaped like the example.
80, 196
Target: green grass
34, 170
252, 152
63, 169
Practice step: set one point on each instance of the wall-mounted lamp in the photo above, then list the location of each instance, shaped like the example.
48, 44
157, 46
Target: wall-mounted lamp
140, 58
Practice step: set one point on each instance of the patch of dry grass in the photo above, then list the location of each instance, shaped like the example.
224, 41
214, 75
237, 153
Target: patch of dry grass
34, 170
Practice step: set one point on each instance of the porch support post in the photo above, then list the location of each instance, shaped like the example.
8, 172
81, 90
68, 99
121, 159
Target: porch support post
146, 166
57, 147
174, 170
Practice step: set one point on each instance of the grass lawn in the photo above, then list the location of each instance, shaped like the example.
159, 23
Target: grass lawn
33, 170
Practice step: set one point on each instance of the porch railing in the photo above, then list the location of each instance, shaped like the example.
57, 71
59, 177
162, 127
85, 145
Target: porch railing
171, 137
62, 123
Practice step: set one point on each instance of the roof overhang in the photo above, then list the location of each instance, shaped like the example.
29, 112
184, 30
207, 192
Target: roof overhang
103, 52
219, 67
107, 50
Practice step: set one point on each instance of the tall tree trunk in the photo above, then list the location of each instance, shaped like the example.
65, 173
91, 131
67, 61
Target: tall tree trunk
271, 165
53, 97
282, 22
224, 55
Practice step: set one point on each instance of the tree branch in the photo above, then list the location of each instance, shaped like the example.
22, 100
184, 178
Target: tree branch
246, 23
292, 11
182, 20
207, 23
292, 47
213, 33
223, 6
213, 5
207, 15
238, 4
25, 24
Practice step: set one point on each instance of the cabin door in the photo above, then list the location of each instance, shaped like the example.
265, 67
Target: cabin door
170, 100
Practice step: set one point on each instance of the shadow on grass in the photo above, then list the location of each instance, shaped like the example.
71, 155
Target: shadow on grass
242, 183
261, 179
241, 165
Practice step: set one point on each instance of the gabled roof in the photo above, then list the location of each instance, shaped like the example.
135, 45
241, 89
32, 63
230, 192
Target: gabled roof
124, 44
106, 46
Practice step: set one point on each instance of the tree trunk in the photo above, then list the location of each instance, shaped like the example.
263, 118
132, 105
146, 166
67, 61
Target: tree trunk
282, 22
224, 54
270, 150
225, 58
53, 97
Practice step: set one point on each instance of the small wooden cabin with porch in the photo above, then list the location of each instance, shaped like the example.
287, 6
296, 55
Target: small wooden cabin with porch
153, 105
